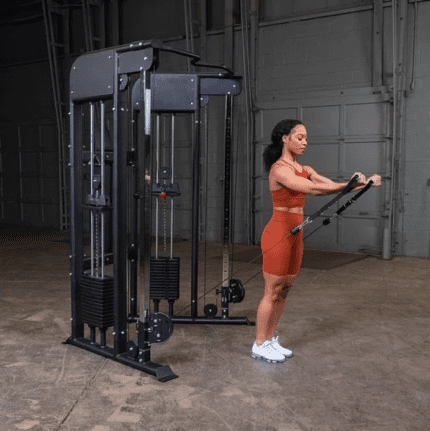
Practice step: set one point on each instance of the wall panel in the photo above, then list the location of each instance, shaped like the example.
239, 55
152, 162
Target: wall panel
328, 52
30, 175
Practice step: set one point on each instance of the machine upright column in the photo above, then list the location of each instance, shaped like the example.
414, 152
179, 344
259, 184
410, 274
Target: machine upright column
121, 138
195, 211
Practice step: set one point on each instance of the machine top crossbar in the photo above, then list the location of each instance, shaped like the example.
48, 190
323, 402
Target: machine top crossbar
136, 57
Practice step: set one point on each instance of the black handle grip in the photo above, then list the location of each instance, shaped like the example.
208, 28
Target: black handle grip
354, 198
366, 187
295, 230
351, 184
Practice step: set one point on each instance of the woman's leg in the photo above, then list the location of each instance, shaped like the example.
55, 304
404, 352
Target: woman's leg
279, 306
282, 254
271, 305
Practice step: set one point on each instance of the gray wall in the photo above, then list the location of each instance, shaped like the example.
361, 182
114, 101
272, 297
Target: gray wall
318, 70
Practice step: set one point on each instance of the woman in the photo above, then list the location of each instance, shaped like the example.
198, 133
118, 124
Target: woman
289, 182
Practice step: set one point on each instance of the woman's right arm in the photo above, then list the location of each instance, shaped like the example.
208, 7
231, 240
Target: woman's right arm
285, 176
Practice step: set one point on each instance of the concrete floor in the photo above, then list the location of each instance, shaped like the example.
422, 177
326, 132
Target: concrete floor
358, 327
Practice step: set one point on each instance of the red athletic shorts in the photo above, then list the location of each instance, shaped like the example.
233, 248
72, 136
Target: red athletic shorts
282, 252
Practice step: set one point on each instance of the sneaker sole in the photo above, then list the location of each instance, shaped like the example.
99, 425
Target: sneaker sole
287, 356
270, 361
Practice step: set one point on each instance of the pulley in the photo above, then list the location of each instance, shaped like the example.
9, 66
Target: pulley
160, 328
236, 291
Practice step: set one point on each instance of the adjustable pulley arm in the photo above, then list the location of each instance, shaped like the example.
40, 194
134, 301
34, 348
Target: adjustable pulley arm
311, 218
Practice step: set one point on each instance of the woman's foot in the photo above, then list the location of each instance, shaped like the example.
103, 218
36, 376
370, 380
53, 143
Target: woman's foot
275, 344
267, 353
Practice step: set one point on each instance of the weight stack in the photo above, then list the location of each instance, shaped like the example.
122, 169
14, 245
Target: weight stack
97, 301
164, 278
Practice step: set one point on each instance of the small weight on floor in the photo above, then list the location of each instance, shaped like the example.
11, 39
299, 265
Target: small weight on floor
210, 310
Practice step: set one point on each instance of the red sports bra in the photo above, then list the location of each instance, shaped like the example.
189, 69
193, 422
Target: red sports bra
287, 198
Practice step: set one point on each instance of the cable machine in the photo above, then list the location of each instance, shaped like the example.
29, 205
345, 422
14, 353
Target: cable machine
115, 95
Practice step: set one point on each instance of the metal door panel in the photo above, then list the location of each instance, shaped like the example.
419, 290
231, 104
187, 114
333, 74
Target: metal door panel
49, 165
51, 192
323, 237
51, 213
11, 166
29, 138
9, 138
31, 190
30, 165
49, 138
269, 118
314, 203
360, 234
32, 214
322, 120
11, 182
323, 157
11, 191
12, 211
368, 157
366, 119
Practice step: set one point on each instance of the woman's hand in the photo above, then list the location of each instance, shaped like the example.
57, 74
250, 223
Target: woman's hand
361, 179
377, 181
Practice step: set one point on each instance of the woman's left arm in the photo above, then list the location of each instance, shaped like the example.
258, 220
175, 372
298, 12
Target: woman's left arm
317, 178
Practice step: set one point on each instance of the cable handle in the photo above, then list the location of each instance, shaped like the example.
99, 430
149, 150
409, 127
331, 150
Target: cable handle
310, 219
354, 198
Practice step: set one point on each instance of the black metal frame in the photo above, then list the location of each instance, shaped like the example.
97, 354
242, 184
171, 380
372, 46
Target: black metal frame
126, 76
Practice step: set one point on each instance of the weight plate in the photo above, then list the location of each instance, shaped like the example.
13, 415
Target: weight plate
160, 328
210, 310
237, 291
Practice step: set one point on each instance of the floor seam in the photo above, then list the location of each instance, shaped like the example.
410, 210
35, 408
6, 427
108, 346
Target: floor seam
81, 396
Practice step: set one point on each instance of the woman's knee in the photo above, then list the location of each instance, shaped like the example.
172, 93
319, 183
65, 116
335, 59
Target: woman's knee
280, 292
285, 287
284, 292
277, 287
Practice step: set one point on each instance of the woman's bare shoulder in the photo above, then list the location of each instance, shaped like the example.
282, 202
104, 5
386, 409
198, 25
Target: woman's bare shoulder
277, 172
281, 165
278, 169
308, 168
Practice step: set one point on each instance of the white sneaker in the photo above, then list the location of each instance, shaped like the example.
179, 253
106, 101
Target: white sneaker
275, 344
267, 353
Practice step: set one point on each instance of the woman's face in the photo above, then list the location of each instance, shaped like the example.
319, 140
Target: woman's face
297, 140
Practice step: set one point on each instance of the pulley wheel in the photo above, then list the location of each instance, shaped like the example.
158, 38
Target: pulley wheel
236, 291
210, 310
160, 328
